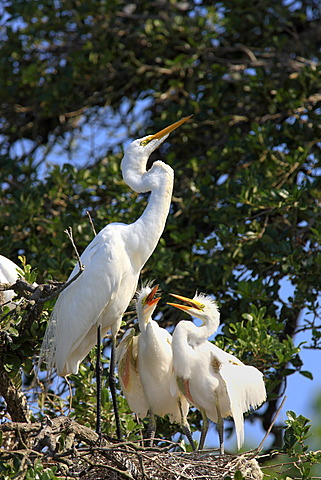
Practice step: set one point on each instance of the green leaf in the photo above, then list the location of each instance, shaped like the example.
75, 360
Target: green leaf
307, 374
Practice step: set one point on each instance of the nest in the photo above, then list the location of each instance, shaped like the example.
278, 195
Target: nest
84, 456
148, 465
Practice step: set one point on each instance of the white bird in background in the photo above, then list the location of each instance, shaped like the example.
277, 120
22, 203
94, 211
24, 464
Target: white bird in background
145, 367
8, 274
215, 382
97, 299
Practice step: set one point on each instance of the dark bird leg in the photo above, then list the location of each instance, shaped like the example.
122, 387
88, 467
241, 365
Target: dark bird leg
151, 428
220, 428
112, 386
99, 369
185, 428
204, 429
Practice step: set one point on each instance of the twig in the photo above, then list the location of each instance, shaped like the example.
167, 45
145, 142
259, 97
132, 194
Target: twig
109, 467
181, 475
259, 448
68, 231
66, 284
142, 466
91, 223
59, 290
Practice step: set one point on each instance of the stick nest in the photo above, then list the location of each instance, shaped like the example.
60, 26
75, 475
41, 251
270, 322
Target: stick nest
75, 451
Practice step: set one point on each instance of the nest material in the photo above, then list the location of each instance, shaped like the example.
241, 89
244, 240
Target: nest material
84, 457
178, 466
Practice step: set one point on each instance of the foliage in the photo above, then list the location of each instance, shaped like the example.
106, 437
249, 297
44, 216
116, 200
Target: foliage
77, 80
28, 470
298, 460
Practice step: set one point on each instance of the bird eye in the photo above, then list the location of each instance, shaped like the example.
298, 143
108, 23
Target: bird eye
199, 306
146, 141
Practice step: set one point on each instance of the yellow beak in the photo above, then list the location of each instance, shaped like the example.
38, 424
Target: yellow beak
190, 303
165, 131
185, 308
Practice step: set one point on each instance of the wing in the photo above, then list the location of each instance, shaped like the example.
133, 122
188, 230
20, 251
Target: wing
123, 344
8, 270
127, 360
222, 356
93, 297
245, 388
8, 274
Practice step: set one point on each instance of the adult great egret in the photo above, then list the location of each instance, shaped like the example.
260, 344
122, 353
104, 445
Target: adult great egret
97, 299
145, 368
215, 382
8, 274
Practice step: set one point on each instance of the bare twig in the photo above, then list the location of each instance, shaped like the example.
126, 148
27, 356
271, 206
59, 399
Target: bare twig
68, 231
91, 223
259, 448
66, 284
63, 287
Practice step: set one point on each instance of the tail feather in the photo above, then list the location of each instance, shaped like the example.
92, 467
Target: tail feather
246, 389
49, 346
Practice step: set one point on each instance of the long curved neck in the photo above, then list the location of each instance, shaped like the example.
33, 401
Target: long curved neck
152, 222
183, 351
149, 227
143, 320
196, 335
203, 333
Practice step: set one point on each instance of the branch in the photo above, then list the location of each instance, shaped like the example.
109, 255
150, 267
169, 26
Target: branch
16, 401
259, 448
68, 231
91, 223
42, 293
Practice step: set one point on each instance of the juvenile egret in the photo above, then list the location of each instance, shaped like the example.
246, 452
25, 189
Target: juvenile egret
215, 382
145, 367
8, 274
97, 299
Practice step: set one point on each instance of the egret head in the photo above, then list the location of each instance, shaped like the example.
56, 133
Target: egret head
146, 145
201, 306
146, 302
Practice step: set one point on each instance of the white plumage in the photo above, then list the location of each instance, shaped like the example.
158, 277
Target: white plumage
127, 360
8, 274
215, 382
145, 365
113, 261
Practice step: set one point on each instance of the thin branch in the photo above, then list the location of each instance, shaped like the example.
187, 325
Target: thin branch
109, 467
259, 448
91, 223
64, 286
68, 231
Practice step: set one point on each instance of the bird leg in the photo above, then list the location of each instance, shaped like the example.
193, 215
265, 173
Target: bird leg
220, 428
185, 427
112, 386
151, 428
99, 369
204, 429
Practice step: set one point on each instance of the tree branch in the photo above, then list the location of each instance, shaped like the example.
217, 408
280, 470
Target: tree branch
16, 401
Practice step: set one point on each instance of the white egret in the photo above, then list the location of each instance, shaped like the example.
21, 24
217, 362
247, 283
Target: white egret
215, 382
8, 274
145, 367
97, 299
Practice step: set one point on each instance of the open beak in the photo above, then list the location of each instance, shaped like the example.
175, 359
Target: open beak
151, 300
165, 131
190, 303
